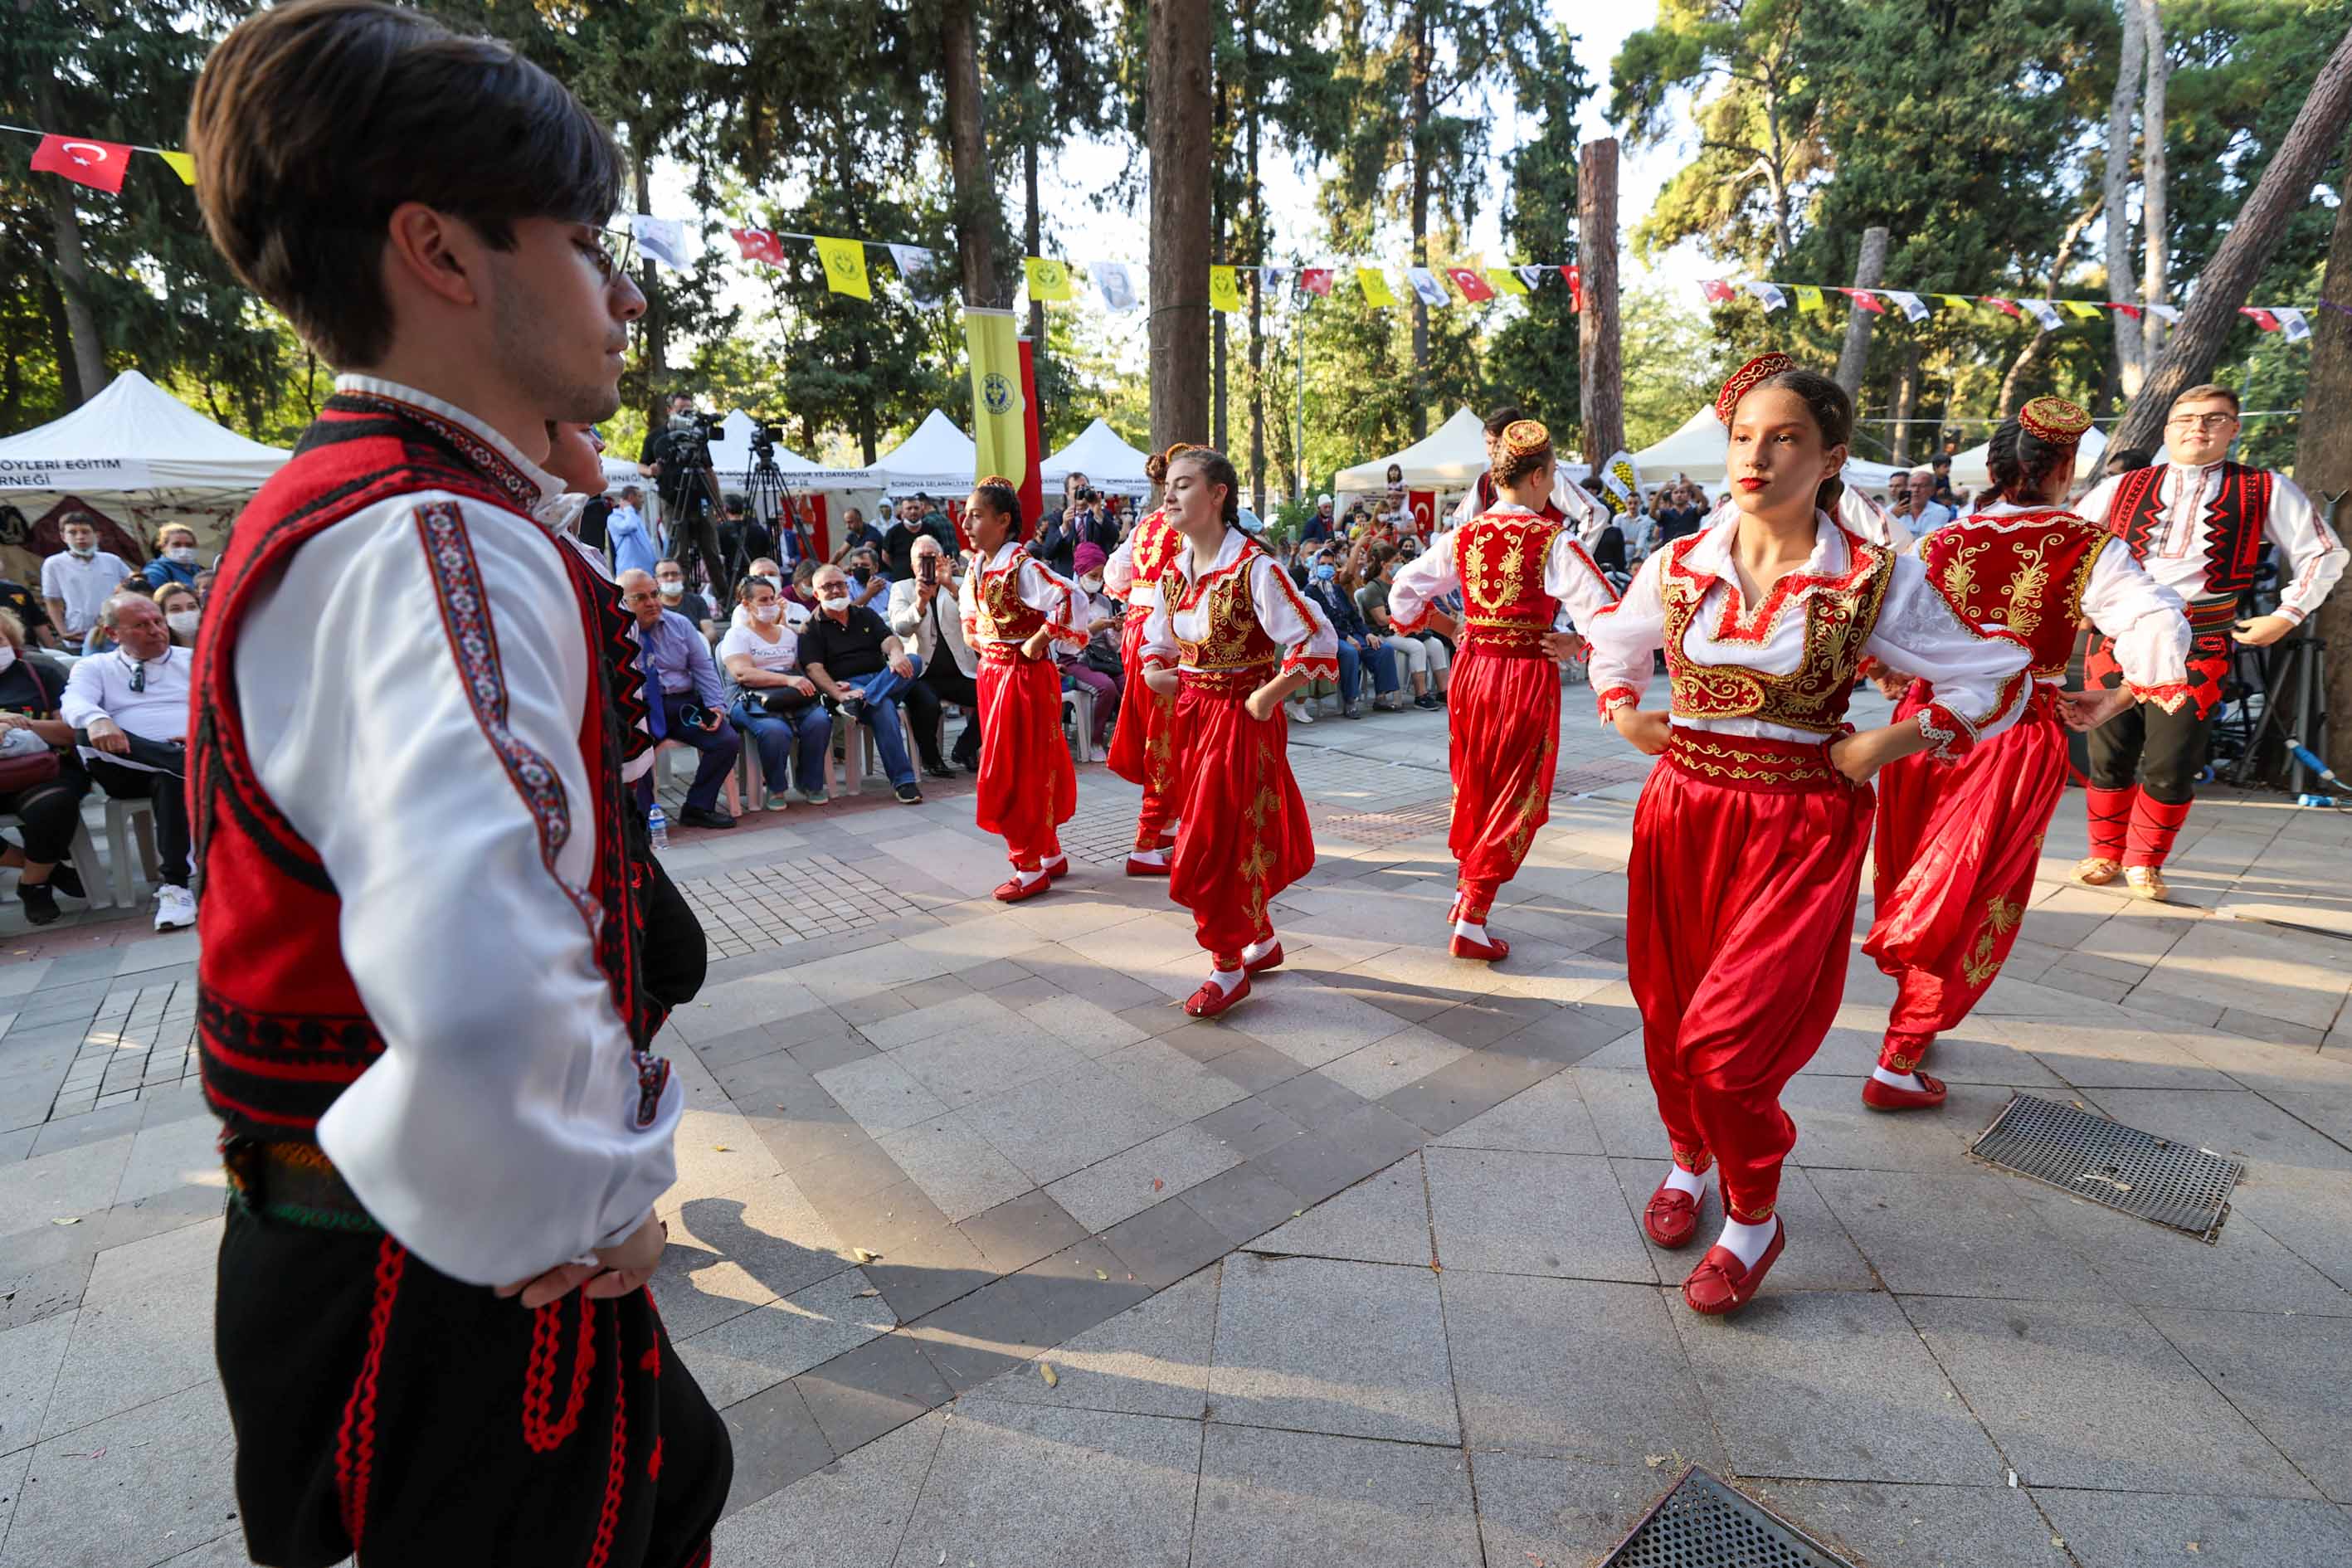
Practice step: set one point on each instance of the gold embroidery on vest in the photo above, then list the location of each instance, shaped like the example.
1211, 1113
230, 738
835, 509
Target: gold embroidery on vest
1838, 624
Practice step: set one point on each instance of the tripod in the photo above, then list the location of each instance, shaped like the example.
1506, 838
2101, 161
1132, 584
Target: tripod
2293, 704
765, 503
694, 531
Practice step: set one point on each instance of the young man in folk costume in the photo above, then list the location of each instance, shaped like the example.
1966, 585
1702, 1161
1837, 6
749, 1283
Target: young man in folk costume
1143, 747
1518, 571
2197, 523
1230, 639
423, 1013
1957, 846
1015, 610
1748, 838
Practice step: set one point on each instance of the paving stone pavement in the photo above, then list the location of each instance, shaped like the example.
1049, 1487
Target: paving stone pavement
1352, 1275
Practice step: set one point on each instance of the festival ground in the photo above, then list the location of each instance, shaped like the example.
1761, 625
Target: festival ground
1351, 1276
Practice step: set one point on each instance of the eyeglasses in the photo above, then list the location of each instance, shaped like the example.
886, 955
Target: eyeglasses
611, 250
2193, 421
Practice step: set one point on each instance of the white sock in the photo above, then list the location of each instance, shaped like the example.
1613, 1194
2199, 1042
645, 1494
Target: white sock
1059, 863
1258, 949
1909, 1080
1682, 1181
1748, 1242
1149, 856
1029, 879
1475, 929
1228, 979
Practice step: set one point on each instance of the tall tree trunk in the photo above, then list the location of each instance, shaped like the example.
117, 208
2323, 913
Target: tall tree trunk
1034, 237
1221, 228
1906, 402
653, 327
2252, 236
69, 263
2323, 465
1867, 273
1176, 133
2029, 358
1258, 282
2117, 186
967, 155
1600, 370
1419, 140
61, 343
2155, 233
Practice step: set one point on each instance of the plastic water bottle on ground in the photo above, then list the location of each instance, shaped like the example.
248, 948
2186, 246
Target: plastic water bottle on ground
657, 827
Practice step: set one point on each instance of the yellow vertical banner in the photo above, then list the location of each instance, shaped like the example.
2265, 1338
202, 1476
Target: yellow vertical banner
845, 266
1048, 280
999, 414
1375, 286
1809, 296
1225, 290
1505, 280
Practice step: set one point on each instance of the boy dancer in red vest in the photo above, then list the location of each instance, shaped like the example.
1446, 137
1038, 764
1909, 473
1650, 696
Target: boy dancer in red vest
2197, 524
423, 1011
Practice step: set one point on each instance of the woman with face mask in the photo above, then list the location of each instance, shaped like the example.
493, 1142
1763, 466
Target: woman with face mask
175, 556
181, 611
775, 704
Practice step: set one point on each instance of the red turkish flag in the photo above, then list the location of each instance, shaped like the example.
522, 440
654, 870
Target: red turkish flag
1422, 504
1316, 281
98, 164
1717, 290
1475, 288
2131, 310
2259, 317
1575, 277
1866, 299
759, 245
2010, 306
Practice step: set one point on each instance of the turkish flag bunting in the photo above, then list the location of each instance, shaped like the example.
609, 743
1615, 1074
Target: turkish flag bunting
1866, 299
1316, 281
2131, 310
2007, 305
1475, 288
98, 164
1575, 277
1716, 289
2259, 317
759, 245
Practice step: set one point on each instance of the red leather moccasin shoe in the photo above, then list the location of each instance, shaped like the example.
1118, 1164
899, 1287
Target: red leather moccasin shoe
1273, 960
1014, 890
1886, 1097
1211, 999
1484, 952
1720, 1285
1671, 1219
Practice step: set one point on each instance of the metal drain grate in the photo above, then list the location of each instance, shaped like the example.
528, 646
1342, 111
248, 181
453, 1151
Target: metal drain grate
2102, 1161
1703, 1523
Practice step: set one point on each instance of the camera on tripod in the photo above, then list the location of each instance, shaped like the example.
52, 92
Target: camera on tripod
691, 436
764, 442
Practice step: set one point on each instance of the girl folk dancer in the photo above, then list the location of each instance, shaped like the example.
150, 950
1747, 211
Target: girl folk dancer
1518, 570
1014, 611
1957, 846
1748, 842
1230, 639
1142, 749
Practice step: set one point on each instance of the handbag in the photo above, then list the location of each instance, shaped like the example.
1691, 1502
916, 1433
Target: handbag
23, 773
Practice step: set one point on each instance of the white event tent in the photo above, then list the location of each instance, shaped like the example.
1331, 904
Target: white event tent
1969, 471
938, 459
1448, 460
1699, 449
133, 442
1104, 456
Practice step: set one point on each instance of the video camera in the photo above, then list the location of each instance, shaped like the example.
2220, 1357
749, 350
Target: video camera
763, 441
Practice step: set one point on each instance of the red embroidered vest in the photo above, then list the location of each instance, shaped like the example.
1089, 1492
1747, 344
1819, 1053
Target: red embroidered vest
2025, 570
280, 1027
1234, 654
1155, 544
1500, 559
1840, 616
1005, 617
2233, 521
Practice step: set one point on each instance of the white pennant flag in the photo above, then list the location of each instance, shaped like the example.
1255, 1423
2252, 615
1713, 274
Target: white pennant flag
1912, 306
1425, 284
1532, 277
2163, 312
1114, 283
2297, 329
663, 239
2043, 311
1271, 277
914, 264
1771, 294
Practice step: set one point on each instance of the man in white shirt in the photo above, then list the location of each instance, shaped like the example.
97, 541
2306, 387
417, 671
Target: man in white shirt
1916, 507
923, 614
130, 705
78, 580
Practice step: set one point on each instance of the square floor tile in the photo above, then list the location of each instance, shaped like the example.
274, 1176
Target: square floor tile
957, 1169
1132, 1181
1548, 1119
1506, 1212
1322, 1346
848, 1514
1307, 1500
2287, 1373
1151, 1359
781, 1338
1381, 1219
1049, 1489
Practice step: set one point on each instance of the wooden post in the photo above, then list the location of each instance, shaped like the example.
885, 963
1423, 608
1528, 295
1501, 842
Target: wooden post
1601, 362
1176, 131
1858, 320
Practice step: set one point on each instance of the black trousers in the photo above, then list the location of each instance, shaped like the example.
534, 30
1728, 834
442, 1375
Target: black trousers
167, 791
944, 683
50, 813
677, 954
2162, 752
381, 1406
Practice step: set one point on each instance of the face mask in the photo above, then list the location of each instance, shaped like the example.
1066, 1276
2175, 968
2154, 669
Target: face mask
769, 578
860, 576
768, 613
81, 552
7, 657
183, 553
183, 622
1091, 584
834, 604
673, 588
1325, 572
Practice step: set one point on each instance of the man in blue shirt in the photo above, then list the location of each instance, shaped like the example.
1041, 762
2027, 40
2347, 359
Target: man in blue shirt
691, 709
176, 557
1358, 646
629, 544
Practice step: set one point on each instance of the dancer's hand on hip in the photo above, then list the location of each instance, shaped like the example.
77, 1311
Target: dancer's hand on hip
2264, 630
1261, 703
1647, 730
1162, 679
2089, 710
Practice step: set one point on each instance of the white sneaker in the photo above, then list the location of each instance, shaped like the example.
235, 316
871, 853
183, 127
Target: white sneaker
175, 908
1299, 715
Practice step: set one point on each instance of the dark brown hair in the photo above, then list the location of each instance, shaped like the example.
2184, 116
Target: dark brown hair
313, 121
2021, 464
1832, 413
1511, 467
1218, 469
1003, 501
1501, 417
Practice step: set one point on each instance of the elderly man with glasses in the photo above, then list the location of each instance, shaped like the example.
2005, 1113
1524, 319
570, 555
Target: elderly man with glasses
129, 708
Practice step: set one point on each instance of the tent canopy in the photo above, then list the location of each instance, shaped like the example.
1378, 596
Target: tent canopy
1450, 456
731, 455
938, 457
1699, 446
1970, 472
134, 437
1101, 455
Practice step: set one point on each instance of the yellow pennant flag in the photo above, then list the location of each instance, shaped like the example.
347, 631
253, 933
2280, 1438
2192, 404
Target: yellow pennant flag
1375, 286
183, 164
845, 266
1957, 301
999, 415
1224, 289
2081, 308
1809, 296
1505, 280
1048, 280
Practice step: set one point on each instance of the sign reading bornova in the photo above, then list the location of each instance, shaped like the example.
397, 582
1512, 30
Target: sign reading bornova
75, 473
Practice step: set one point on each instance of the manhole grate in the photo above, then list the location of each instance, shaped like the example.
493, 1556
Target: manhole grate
2106, 1163
1703, 1523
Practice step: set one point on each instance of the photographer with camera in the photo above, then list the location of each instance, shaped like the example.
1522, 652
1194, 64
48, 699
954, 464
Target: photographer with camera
1082, 520
676, 457
926, 617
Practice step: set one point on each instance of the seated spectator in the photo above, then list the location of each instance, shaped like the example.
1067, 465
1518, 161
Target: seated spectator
926, 617
856, 533
182, 612
1085, 668
670, 578
175, 556
1318, 523
78, 581
32, 615
1425, 658
863, 671
867, 582
800, 592
1358, 646
41, 780
629, 539
101, 636
691, 709
203, 584
129, 709
774, 702
909, 524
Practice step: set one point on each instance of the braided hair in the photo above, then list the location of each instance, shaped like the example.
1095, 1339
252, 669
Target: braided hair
2021, 464
1217, 469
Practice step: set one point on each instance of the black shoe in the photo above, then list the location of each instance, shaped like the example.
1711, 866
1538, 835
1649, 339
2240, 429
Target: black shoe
939, 770
65, 879
40, 900
1353, 711
909, 795
852, 708
703, 816
1426, 700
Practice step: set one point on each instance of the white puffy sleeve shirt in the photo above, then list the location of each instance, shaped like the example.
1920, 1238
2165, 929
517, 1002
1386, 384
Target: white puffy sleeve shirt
1054, 597
1977, 692
1295, 622
2311, 558
1569, 576
498, 1134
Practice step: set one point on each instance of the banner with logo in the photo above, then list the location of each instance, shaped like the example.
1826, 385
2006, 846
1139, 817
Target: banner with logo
1000, 414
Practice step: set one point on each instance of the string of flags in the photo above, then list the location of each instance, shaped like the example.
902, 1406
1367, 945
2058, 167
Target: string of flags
101, 165
2049, 314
